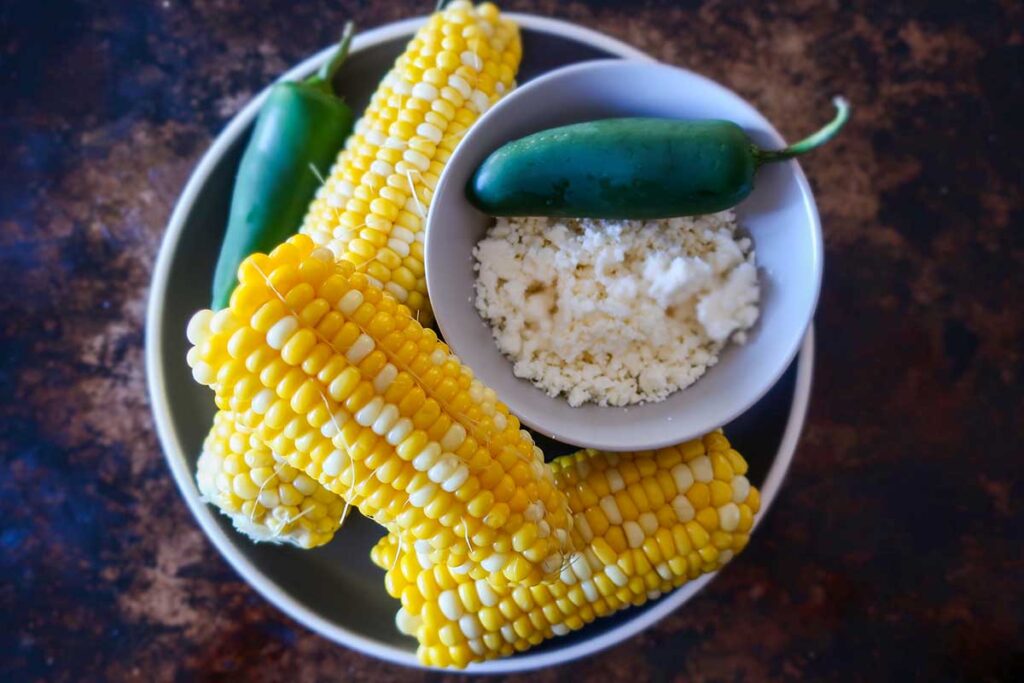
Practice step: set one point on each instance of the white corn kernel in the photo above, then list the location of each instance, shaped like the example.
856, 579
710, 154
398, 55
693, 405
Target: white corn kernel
426, 458
333, 425
683, 508
701, 468
454, 437
335, 462
424, 495
352, 300
458, 478
262, 401
386, 420
534, 512
488, 598
407, 623
443, 468
401, 430
460, 85
429, 132
404, 234
203, 374
729, 517
634, 534
368, 413
281, 331
583, 526
580, 567
399, 247
360, 348
462, 568
199, 327
683, 477
495, 562
450, 605
611, 510
740, 489
481, 101
222, 321
617, 576
470, 626
384, 378
425, 91
416, 159
551, 563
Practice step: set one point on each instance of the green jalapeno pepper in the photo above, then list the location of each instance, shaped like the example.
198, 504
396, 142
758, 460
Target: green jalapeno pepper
629, 168
300, 128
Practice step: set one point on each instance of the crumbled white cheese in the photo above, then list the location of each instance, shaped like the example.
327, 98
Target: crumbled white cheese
616, 312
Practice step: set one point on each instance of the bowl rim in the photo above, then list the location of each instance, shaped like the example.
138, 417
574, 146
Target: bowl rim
226, 542
781, 362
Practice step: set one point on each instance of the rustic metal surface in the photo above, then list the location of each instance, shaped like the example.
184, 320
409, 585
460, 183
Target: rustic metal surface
895, 548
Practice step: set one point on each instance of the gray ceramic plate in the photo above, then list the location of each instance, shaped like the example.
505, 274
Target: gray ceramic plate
335, 590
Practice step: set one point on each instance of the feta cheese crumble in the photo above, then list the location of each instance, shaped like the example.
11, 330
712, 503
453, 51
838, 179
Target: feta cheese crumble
615, 312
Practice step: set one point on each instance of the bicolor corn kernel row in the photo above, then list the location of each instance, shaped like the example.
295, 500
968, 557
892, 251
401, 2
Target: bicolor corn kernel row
339, 380
371, 209
644, 523
266, 499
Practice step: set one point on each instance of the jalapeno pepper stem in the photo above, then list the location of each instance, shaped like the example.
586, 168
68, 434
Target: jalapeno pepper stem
813, 141
324, 77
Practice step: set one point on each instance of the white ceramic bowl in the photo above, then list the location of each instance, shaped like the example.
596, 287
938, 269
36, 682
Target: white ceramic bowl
780, 215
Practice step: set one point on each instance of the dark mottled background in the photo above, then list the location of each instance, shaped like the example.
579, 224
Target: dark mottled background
895, 549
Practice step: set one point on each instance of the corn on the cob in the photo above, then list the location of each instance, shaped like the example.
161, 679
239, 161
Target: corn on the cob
645, 523
421, 110
266, 499
342, 383
371, 210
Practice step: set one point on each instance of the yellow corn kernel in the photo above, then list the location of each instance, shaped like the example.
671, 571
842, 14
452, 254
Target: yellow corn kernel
721, 492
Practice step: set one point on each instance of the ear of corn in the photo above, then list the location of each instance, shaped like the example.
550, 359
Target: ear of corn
645, 523
265, 498
371, 210
340, 381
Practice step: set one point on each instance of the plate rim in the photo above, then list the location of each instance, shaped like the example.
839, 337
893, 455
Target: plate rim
174, 453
